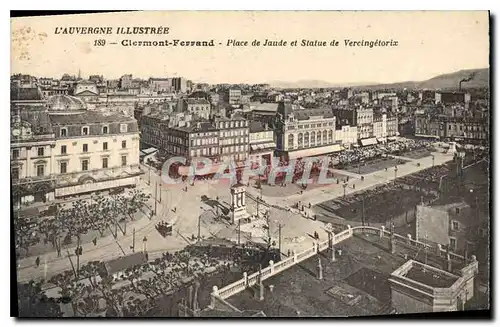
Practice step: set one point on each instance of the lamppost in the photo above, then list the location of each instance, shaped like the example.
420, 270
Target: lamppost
344, 186
395, 173
217, 205
149, 175
432, 156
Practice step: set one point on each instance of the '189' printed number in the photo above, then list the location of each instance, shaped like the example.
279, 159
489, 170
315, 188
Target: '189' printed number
99, 43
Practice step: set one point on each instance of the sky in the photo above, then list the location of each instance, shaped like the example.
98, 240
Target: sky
429, 44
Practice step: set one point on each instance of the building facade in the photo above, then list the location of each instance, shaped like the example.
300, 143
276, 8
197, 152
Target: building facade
305, 132
233, 138
87, 151
199, 107
262, 143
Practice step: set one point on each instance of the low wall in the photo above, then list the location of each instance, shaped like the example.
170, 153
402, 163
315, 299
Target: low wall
273, 269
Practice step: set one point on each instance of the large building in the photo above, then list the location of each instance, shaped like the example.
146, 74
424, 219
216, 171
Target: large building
200, 107
87, 91
233, 138
232, 96
468, 129
87, 151
305, 132
361, 117
179, 84
262, 143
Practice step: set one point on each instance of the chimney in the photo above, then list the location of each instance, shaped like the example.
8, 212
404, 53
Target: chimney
320, 269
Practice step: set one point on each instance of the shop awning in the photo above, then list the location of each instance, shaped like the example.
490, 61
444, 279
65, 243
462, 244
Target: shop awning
312, 152
392, 138
382, 139
370, 141
263, 146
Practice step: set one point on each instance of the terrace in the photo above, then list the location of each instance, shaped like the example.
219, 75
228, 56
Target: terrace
355, 282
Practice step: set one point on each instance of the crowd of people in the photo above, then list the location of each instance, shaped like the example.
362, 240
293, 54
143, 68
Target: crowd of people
356, 155
380, 203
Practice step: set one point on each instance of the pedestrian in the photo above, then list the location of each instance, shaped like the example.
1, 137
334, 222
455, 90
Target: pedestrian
147, 256
94, 241
37, 261
309, 205
288, 253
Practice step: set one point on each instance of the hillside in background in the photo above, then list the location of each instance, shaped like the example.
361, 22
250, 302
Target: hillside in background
445, 81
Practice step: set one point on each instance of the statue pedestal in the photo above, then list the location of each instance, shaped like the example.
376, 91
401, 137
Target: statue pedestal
238, 203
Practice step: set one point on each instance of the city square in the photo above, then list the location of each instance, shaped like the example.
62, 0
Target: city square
139, 191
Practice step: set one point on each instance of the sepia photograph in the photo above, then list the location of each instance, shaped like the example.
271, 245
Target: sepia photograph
250, 164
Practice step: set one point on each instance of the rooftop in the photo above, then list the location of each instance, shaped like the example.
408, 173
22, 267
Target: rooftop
88, 117
428, 276
356, 284
256, 126
196, 101
19, 94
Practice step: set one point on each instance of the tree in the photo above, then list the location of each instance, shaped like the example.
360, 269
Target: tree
32, 302
26, 234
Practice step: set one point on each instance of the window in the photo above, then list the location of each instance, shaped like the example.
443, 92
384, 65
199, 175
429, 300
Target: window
85, 131
40, 170
15, 154
63, 149
457, 211
453, 243
124, 160
63, 167
123, 128
105, 146
85, 148
454, 225
105, 129
124, 144
85, 165
40, 152
15, 173
64, 131
104, 162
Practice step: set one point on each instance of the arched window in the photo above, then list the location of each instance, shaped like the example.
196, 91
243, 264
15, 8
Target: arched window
85, 130
318, 136
290, 140
300, 139
105, 129
330, 136
306, 139
313, 138
324, 137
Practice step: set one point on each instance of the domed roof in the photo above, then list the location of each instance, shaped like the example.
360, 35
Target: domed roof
65, 103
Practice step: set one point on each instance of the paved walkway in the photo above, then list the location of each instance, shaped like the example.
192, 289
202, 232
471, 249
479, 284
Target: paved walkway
331, 191
189, 206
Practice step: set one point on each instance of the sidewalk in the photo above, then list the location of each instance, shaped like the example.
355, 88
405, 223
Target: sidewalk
331, 191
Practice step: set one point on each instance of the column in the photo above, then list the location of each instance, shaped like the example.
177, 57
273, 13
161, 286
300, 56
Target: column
245, 277
271, 264
382, 231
